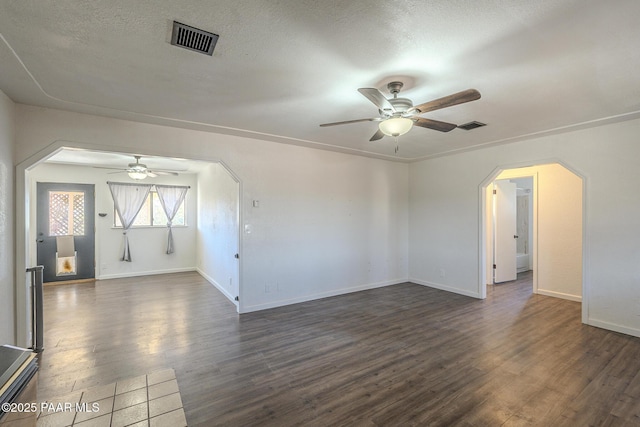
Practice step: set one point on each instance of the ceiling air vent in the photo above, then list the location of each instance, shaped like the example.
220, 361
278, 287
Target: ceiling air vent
193, 38
472, 125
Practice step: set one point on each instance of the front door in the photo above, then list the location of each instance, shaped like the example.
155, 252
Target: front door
66, 223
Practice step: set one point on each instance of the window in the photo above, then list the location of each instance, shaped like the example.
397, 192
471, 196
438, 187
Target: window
152, 215
66, 213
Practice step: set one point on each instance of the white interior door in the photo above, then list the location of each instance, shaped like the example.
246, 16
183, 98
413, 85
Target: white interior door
505, 235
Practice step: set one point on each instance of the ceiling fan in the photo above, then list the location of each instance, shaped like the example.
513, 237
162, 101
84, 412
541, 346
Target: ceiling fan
139, 170
399, 115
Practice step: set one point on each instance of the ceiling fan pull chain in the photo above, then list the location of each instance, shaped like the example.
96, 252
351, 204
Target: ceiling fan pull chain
397, 147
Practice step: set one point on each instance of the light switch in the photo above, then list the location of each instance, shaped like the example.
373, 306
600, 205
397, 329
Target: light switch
256, 203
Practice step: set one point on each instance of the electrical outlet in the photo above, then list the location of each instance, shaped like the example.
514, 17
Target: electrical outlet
230, 282
442, 272
267, 288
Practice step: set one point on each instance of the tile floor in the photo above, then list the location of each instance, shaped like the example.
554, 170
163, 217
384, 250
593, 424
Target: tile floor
151, 400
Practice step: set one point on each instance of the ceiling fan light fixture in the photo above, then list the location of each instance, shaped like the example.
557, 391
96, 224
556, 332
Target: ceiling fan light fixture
395, 126
137, 175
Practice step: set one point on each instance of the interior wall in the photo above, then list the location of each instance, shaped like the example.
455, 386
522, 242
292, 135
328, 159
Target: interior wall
559, 229
445, 228
218, 227
7, 262
328, 223
148, 244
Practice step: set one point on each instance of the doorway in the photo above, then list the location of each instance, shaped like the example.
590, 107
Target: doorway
26, 242
556, 229
512, 228
65, 231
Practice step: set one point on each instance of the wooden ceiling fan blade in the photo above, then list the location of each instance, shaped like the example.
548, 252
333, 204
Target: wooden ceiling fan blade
375, 119
377, 97
447, 101
376, 136
434, 124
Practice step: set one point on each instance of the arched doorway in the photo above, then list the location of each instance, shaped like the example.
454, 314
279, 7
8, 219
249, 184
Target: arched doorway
557, 229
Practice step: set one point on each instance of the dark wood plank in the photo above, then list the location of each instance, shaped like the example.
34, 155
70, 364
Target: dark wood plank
399, 355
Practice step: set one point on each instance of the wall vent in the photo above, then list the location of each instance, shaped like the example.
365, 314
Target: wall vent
193, 38
472, 125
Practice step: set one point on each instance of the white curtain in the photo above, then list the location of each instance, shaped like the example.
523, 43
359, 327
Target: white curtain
128, 200
171, 197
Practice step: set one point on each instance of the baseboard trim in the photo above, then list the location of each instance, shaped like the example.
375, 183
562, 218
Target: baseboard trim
217, 285
343, 291
446, 288
144, 273
614, 327
555, 294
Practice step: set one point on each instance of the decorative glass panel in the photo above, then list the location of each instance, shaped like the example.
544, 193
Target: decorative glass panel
58, 213
66, 213
78, 214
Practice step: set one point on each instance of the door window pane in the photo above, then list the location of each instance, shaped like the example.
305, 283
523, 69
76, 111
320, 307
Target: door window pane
66, 213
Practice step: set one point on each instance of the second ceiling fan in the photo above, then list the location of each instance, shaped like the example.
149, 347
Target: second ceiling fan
139, 171
399, 115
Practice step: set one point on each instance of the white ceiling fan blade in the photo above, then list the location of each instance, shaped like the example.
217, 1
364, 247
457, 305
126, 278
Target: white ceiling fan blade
377, 97
111, 168
161, 172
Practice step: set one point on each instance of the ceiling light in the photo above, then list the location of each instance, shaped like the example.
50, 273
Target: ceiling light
137, 175
395, 126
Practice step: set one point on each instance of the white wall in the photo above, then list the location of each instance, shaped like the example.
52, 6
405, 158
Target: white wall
218, 228
559, 229
328, 223
148, 245
445, 204
7, 284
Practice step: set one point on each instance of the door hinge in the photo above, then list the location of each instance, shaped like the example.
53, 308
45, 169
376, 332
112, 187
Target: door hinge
495, 191
237, 256
237, 298
494, 266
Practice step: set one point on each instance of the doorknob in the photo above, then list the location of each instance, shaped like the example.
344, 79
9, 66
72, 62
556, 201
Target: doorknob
40, 240
515, 236
237, 256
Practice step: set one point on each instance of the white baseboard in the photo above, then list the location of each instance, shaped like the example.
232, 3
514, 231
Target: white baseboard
614, 327
280, 303
217, 285
144, 273
446, 288
555, 294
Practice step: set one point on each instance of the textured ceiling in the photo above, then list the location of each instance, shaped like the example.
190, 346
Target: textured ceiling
282, 67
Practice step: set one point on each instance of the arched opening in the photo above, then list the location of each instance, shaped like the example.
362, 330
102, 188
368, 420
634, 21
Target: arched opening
228, 184
556, 241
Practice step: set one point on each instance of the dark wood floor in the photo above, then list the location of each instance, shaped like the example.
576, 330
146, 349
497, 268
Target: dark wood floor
396, 356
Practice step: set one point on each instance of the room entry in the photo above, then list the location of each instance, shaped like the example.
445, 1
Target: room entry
66, 231
549, 217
